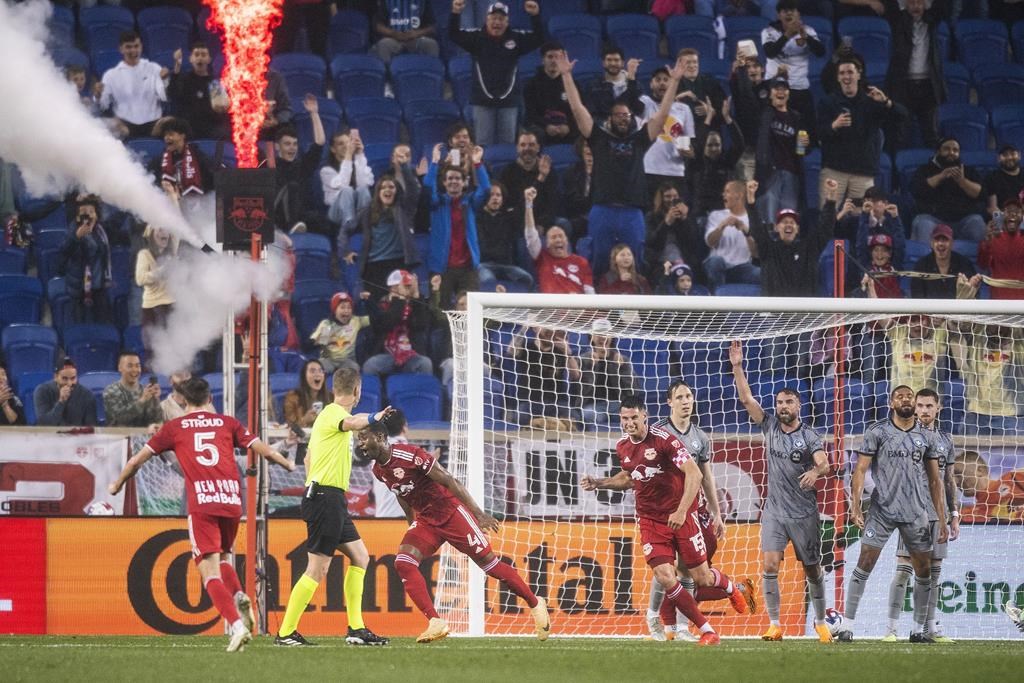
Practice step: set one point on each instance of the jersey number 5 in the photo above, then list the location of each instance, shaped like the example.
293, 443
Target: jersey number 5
202, 445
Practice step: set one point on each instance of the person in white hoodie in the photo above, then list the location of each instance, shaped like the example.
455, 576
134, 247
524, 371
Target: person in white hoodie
347, 178
135, 89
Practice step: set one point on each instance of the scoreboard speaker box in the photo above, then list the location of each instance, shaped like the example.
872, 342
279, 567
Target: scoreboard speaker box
245, 205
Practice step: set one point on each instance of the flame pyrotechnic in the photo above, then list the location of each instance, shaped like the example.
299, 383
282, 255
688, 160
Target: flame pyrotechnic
246, 26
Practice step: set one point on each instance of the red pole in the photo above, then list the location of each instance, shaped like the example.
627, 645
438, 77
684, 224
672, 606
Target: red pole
251, 484
839, 282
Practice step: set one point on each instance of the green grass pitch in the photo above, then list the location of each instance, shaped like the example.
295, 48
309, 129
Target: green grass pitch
508, 660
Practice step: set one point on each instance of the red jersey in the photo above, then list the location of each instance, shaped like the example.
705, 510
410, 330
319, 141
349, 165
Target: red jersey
565, 275
1003, 257
654, 465
406, 473
205, 446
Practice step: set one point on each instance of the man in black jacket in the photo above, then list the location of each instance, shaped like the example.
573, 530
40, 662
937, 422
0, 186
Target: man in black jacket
64, 402
197, 95
547, 107
496, 51
614, 86
942, 261
947, 192
294, 173
401, 325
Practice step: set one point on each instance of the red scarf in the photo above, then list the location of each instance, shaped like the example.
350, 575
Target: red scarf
189, 179
397, 341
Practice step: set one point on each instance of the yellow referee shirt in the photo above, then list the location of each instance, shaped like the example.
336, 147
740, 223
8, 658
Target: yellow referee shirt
329, 456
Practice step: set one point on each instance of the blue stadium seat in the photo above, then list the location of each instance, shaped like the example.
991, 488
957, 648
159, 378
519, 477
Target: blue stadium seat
349, 33
378, 156
94, 347
370, 395
103, 60
579, 34
871, 36
21, 299
26, 384
67, 55
279, 384
164, 30
738, 290
984, 161
330, 117
811, 169
860, 407
353, 283
980, 42
637, 35
967, 123
417, 77
460, 75
377, 118
1008, 125
61, 26
527, 65
823, 27
427, 121
311, 303
227, 155
999, 84
691, 30
303, 73
884, 177
59, 302
958, 83
29, 348
497, 157
915, 251
357, 76
1017, 40
417, 395
968, 248
131, 339
312, 256
563, 157
943, 39
826, 268
101, 15
651, 363
907, 163
96, 382
742, 28
146, 149
12, 261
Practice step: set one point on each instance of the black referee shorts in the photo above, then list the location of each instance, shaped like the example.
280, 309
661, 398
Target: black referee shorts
328, 524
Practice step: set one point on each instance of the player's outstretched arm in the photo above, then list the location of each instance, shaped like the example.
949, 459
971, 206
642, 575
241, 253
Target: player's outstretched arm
936, 488
130, 468
445, 479
619, 482
273, 456
691, 486
355, 423
820, 469
742, 386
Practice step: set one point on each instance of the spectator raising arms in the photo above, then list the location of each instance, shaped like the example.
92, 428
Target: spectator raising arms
558, 270
336, 336
347, 178
498, 228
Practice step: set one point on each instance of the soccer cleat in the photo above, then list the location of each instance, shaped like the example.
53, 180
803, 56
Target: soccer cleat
738, 599
1015, 614
245, 613
294, 639
746, 587
364, 636
943, 640
683, 635
656, 629
436, 630
709, 638
824, 635
239, 637
921, 638
773, 633
541, 619
890, 637
844, 637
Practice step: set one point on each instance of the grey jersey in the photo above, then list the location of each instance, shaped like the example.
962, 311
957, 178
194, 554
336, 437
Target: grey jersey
942, 444
694, 438
789, 456
898, 470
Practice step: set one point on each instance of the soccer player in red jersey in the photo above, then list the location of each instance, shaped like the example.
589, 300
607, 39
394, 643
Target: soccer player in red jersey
440, 510
204, 443
672, 512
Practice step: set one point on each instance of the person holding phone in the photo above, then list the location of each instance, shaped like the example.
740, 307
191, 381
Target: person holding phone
304, 403
85, 264
127, 402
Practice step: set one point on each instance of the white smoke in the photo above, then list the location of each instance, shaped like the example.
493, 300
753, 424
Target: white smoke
56, 144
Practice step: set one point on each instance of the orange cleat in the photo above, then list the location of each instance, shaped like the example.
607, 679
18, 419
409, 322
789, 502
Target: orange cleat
824, 635
709, 638
748, 589
773, 633
738, 599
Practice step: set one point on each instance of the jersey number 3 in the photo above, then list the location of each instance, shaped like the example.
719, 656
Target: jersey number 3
202, 445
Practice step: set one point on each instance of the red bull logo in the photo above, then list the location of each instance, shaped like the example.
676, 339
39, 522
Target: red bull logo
248, 214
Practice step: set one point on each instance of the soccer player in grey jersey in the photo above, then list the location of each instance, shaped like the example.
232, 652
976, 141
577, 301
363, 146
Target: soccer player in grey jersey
899, 454
927, 410
796, 460
680, 425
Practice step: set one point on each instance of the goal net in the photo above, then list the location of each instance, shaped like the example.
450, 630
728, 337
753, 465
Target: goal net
536, 385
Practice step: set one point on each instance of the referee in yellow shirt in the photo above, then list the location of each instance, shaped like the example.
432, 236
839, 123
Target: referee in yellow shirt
325, 511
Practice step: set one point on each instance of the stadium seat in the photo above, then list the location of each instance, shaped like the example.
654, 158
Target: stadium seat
357, 76
100, 15
417, 77
1017, 41
498, 156
146, 149
958, 83
691, 30
312, 255
460, 75
916, 250
377, 118
26, 385
651, 363
811, 169
427, 121
907, 163
303, 73
378, 156
884, 177
330, 117
29, 348
68, 55
12, 261
871, 36
61, 26
742, 28
942, 39
527, 65
21, 299
59, 302
349, 33
823, 27
1008, 125
859, 405
279, 384
418, 395
967, 123
981, 42
999, 84
370, 395
96, 382
579, 34
563, 157
164, 30
826, 268
131, 340
311, 303
94, 347
637, 35
103, 60
738, 290
219, 151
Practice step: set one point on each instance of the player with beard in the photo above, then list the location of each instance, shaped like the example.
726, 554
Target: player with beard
796, 459
900, 456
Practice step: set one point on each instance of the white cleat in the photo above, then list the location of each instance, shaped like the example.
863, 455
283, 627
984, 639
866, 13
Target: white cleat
683, 634
1016, 615
655, 627
436, 630
541, 619
245, 613
239, 637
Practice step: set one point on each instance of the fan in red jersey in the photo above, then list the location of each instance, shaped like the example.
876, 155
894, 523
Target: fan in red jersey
672, 511
440, 510
205, 443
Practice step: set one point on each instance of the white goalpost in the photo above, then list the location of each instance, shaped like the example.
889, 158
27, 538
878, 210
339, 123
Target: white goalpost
534, 408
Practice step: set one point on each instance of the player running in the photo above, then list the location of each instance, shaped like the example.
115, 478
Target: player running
670, 506
204, 443
440, 510
927, 410
899, 454
680, 425
796, 460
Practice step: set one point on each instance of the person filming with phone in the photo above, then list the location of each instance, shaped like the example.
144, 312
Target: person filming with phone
85, 265
129, 403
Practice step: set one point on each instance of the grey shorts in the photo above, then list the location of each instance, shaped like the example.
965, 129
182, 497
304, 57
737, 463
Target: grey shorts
916, 535
939, 550
803, 532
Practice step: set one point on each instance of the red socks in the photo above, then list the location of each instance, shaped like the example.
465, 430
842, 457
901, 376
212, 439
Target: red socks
230, 578
223, 600
415, 586
510, 577
684, 602
668, 612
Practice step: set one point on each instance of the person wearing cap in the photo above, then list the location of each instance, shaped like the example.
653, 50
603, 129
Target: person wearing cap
879, 216
1006, 182
546, 105
943, 261
790, 42
336, 336
881, 287
946, 191
779, 167
850, 123
1001, 253
64, 402
182, 164
403, 28
679, 281
401, 325
496, 50
789, 260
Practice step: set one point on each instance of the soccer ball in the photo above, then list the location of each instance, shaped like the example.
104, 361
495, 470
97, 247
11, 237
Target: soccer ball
834, 620
100, 508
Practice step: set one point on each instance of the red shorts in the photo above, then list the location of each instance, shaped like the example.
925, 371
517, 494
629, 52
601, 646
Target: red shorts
210, 534
461, 531
693, 542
